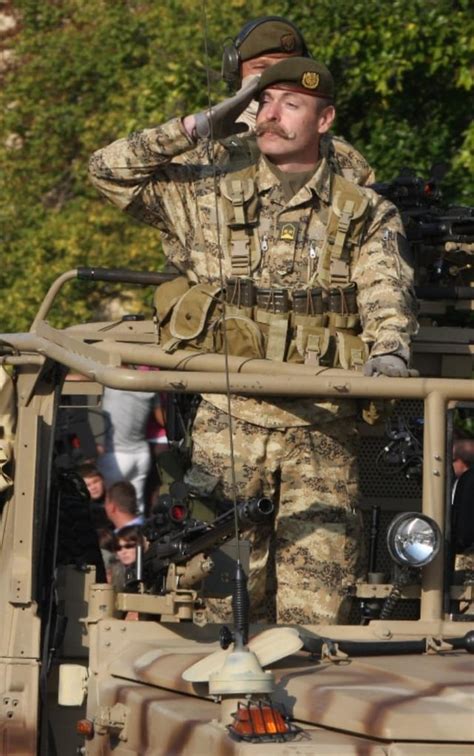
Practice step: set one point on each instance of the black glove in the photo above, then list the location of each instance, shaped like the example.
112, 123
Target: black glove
221, 119
388, 364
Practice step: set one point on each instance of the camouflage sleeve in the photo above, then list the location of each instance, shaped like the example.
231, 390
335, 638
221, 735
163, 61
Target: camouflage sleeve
384, 276
345, 160
125, 170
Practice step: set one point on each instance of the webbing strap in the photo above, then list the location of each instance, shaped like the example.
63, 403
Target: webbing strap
237, 197
241, 224
342, 228
357, 357
331, 267
277, 339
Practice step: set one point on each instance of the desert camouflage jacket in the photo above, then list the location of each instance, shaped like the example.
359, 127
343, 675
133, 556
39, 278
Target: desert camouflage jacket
157, 176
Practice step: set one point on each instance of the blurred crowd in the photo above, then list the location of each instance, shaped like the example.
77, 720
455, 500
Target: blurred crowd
123, 479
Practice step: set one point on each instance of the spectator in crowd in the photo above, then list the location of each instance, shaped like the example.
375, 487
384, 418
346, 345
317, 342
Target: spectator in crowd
122, 569
463, 455
94, 481
126, 450
121, 506
95, 484
462, 524
77, 539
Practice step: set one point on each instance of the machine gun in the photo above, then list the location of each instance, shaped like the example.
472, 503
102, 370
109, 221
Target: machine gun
175, 538
441, 237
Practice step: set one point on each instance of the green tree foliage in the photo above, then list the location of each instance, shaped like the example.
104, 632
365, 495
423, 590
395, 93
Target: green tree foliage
89, 72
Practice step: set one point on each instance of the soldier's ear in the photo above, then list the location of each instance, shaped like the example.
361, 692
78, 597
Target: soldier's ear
326, 118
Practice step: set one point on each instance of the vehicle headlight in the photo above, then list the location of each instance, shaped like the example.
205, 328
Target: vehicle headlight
413, 539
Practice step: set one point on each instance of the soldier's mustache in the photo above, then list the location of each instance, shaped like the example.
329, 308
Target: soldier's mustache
270, 127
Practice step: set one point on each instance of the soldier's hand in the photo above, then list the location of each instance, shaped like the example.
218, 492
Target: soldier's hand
221, 120
388, 364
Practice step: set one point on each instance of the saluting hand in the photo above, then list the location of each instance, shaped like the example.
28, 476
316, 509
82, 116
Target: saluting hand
221, 120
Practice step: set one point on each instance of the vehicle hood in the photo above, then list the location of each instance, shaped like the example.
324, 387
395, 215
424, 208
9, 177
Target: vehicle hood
421, 698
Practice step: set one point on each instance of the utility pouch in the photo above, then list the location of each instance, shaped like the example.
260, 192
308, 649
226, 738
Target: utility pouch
167, 294
241, 207
347, 218
244, 337
189, 325
344, 229
272, 313
351, 352
311, 343
193, 310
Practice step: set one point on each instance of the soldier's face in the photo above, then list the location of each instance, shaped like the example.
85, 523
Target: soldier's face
256, 66
289, 125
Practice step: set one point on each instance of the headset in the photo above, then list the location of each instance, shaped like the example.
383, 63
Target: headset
231, 55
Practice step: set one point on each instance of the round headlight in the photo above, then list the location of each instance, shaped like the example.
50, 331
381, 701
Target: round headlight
413, 539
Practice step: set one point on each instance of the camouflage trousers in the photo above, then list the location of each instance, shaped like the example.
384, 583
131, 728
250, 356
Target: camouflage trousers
315, 540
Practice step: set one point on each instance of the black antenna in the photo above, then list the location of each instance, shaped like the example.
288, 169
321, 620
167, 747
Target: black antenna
240, 598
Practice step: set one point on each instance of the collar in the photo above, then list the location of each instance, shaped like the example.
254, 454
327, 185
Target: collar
319, 183
139, 520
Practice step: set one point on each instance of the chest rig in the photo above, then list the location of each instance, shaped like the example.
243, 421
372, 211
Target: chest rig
315, 321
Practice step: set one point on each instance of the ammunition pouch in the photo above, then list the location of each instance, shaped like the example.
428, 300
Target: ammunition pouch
262, 323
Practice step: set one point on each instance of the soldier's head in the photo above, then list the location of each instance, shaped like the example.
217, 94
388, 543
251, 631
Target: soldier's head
121, 503
259, 44
295, 107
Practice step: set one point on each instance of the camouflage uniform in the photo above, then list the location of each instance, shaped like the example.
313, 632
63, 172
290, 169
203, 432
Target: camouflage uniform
312, 474
297, 446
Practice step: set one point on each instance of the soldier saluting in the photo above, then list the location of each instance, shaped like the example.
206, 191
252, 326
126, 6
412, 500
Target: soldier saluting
314, 274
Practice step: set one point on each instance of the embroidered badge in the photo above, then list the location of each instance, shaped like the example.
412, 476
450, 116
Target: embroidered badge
288, 232
310, 80
288, 42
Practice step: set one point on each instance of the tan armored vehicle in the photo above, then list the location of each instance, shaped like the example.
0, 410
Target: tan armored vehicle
397, 681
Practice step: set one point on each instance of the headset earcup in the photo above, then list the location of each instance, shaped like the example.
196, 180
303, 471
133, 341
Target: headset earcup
231, 65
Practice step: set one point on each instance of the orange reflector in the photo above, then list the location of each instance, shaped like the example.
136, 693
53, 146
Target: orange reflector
85, 727
259, 720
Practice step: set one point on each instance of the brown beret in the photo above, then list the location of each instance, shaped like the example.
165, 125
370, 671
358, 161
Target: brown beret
270, 36
301, 74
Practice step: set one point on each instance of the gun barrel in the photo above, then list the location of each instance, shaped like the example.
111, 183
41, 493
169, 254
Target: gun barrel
444, 292
447, 228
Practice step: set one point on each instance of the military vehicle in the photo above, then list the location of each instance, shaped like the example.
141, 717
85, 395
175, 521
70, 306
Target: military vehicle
85, 669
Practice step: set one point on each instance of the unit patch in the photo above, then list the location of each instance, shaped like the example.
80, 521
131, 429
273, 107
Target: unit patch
288, 232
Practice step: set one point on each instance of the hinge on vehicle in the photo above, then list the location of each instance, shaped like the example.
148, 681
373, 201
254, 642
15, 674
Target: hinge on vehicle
436, 645
330, 651
112, 718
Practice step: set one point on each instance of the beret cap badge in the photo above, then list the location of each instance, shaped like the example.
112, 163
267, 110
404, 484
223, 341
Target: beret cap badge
310, 80
288, 42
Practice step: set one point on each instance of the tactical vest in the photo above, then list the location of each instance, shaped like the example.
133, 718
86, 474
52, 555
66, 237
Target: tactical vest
316, 323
